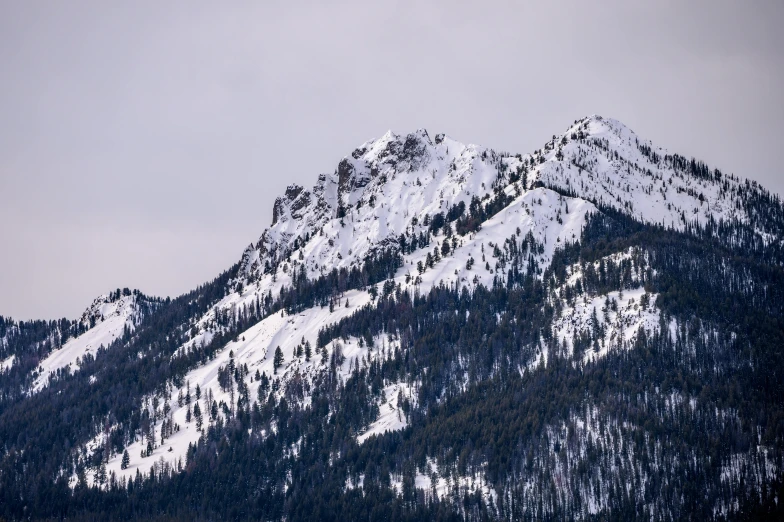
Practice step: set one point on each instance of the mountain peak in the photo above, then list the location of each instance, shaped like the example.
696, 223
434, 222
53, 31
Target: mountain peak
421, 134
602, 160
388, 185
598, 125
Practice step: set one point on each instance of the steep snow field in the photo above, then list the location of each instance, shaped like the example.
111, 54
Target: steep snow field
610, 168
110, 320
535, 211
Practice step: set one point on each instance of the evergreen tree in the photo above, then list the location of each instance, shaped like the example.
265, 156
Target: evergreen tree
100, 476
197, 414
277, 361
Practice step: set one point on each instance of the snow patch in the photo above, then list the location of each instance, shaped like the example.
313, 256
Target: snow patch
7, 363
391, 416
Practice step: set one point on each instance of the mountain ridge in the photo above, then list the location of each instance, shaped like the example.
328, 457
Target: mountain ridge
651, 180
418, 273
354, 214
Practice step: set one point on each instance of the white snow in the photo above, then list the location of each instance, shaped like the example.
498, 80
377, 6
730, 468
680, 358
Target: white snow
111, 318
444, 483
402, 191
608, 168
391, 417
534, 211
7, 363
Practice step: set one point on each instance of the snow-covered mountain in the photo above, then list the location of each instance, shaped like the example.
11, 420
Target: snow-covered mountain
396, 184
385, 196
389, 186
598, 244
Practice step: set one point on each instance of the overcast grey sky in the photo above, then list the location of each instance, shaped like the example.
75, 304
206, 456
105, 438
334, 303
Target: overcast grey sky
142, 143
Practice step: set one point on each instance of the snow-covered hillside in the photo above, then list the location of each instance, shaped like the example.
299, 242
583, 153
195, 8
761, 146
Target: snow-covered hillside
255, 350
105, 321
388, 192
393, 186
603, 161
436, 330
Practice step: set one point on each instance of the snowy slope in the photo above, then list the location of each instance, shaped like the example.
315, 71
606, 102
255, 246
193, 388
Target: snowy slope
392, 186
382, 189
534, 211
106, 319
613, 319
620, 314
603, 161
255, 348
388, 187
